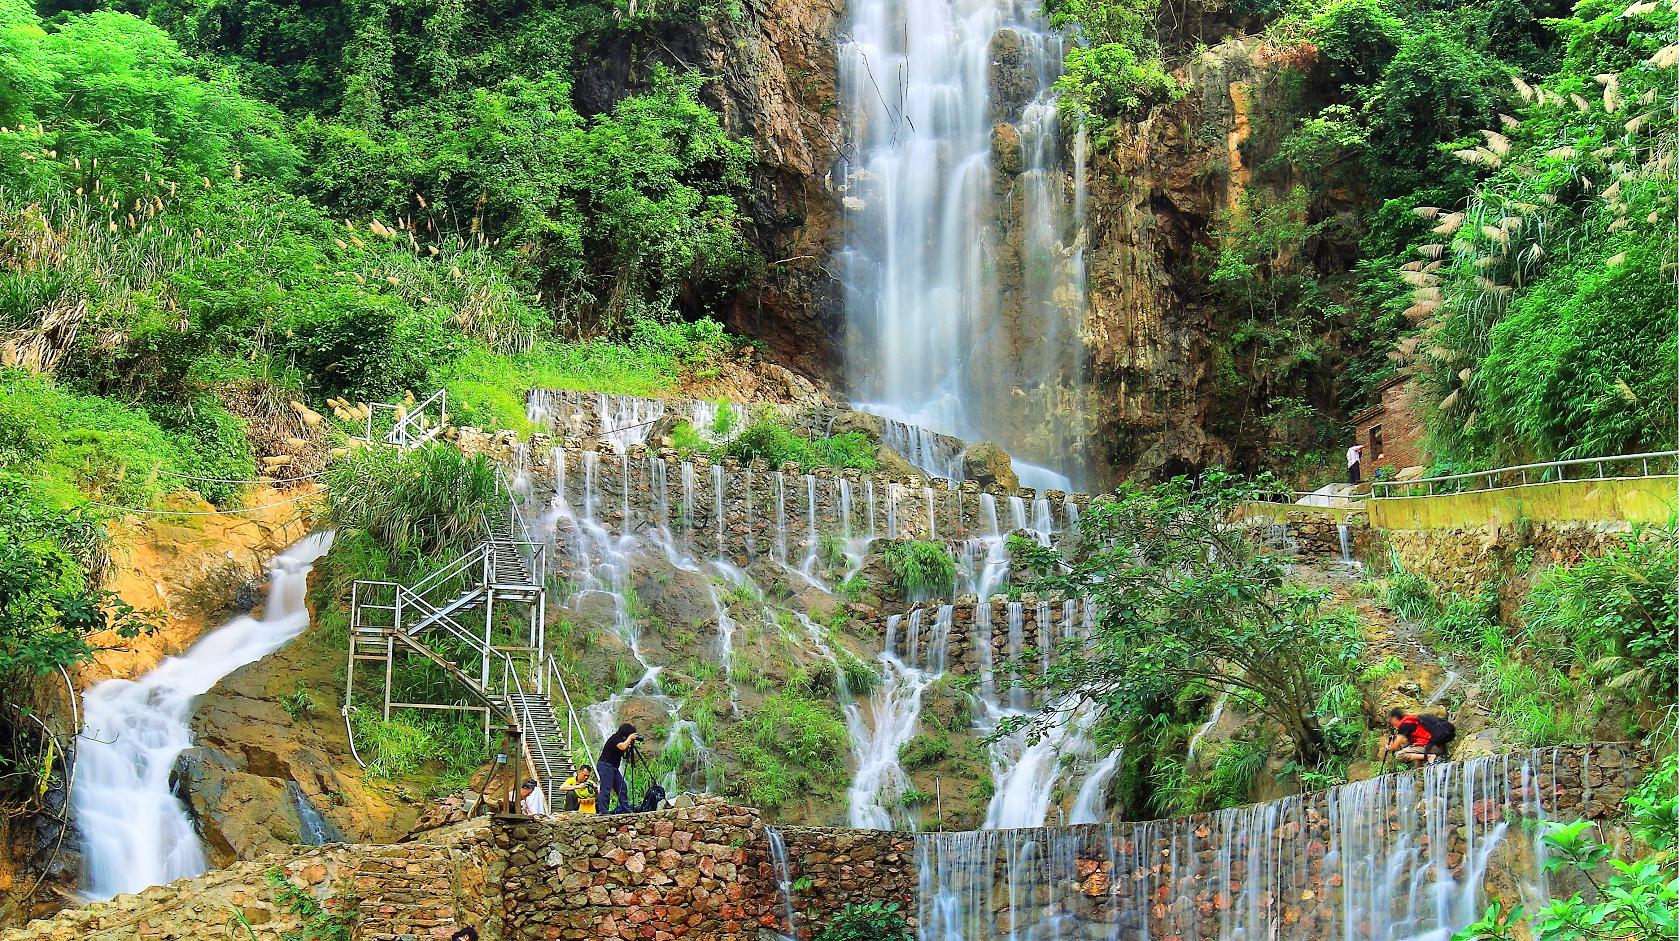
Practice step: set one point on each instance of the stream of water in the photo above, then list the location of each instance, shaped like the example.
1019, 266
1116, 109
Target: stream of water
963, 265
135, 832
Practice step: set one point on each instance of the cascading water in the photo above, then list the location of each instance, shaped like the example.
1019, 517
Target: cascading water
964, 270
135, 832
1092, 799
1397, 857
896, 707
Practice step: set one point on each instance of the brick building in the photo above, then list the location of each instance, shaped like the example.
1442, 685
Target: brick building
1392, 430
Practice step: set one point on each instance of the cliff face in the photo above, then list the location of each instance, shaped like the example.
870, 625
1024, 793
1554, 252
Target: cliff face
772, 71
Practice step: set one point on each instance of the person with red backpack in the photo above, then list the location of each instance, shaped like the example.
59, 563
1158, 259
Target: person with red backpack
1418, 738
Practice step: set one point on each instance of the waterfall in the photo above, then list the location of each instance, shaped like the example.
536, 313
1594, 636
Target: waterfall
1091, 802
784, 876
896, 706
1398, 857
135, 832
963, 263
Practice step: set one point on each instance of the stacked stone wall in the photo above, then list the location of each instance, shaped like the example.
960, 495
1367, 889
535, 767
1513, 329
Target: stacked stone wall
397, 891
694, 872
767, 511
706, 871
1022, 633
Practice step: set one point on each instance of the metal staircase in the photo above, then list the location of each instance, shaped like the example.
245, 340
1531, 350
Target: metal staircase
450, 618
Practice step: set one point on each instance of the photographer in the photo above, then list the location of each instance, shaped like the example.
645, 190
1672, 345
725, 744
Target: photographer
613, 785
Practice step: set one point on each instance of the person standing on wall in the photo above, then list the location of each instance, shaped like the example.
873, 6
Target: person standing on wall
613, 786
1353, 455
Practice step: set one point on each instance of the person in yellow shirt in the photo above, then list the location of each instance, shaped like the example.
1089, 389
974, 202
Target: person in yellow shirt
581, 785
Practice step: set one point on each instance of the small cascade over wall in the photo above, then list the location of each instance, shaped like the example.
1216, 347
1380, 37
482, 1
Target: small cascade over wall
1410, 855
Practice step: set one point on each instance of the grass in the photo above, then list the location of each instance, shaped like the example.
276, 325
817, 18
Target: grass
425, 501
922, 569
788, 747
81, 447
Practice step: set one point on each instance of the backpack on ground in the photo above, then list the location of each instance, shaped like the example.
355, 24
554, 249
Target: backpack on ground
652, 798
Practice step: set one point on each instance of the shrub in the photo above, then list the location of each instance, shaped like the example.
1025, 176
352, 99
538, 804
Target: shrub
423, 502
922, 569
869, 921
924, 750
777, 444
1615, 615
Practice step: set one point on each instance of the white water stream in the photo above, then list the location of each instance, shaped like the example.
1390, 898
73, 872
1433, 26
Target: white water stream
965, 303
135, 832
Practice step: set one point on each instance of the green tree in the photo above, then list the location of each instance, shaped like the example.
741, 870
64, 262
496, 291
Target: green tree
1185, 599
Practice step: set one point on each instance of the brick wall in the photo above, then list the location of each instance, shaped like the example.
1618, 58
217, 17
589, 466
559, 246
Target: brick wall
1401, 429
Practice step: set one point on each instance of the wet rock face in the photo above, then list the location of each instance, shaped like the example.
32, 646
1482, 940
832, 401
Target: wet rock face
773, 71
1009, 75
989, 465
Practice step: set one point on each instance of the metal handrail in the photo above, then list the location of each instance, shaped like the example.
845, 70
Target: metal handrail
577, 736
399, 433
1541, 473
513, 689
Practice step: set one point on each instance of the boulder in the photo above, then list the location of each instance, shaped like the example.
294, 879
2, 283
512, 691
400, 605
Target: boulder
1006, 149
1010, 74
989, 465
870, 426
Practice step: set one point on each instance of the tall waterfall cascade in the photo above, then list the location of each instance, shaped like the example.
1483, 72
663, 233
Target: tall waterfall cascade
135, 832
964, 266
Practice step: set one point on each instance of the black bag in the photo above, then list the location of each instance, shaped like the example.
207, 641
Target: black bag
652, 798
1440, 729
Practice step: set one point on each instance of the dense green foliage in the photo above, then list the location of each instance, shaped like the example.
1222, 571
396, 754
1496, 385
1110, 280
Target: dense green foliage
787, 749
1591, 641
1117, 71
776, 444
866, 921
921, 569
1184, 600
1639, 899
423, 502
50, 600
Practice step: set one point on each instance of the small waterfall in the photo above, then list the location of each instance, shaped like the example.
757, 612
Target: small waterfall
317, 830
625, 420
934, 454
135, 832
781, 518
717, 506
784, 878
705, 416
1090, 804
896, 706
1397, 857
1342, 534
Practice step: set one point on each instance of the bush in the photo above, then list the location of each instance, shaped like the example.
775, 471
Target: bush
924, 750
870, 921
1614, 615
922, 569
50, 599
419, 503
777, 444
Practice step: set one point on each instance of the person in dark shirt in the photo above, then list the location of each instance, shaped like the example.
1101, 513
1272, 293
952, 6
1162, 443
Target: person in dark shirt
607, 769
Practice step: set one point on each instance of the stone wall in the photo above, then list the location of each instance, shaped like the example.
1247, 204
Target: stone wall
833, 868
694, 872
945, 637
743, 512
1314, 532
1305, 868
422, 889
1476, 559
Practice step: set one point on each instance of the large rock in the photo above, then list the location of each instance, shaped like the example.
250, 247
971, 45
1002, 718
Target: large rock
990, 466
1010, 75
870, 426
